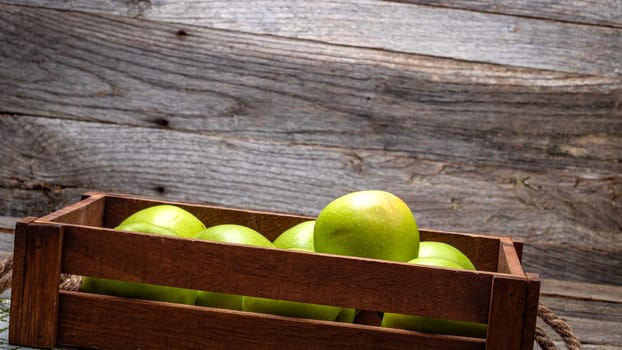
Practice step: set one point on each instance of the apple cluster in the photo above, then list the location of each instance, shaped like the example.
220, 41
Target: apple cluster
371, 224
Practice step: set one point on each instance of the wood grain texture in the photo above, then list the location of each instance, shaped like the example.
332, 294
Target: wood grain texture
215, 116
35, 288
7, 226
530, 313
90, 320
585, 291
250, 165
593, 311
507, 305
601, 12
425, 30
280, 274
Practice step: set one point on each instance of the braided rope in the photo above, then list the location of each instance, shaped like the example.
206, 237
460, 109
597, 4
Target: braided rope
72, 282
543, 340
560, 326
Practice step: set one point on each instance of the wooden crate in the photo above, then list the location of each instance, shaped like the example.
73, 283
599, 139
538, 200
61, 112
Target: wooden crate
79, 240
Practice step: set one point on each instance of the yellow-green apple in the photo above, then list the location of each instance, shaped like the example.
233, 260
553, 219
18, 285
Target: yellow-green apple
229, 233
176, 219
372, 224
430, 324
296, 309
428, 249
297, 236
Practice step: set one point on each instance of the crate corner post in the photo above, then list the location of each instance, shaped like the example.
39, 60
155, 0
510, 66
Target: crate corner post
36, 275
531, 310
506, 316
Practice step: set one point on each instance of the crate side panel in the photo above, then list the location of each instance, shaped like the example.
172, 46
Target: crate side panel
275, 273
118, 323
118, 207
509, 262
89, 211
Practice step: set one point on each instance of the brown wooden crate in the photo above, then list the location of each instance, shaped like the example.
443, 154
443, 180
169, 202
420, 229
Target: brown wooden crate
500, 294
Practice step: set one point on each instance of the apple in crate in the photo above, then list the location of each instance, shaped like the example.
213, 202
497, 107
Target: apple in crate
429, 249
371, 224
298, 309
166, 220
171, 217
299, 236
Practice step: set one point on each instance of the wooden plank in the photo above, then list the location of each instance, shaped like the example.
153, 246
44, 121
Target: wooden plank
595, 320
447, 195
505, 324
19, 200
530, 313
508, 261
581, 290
34, 303
585, 309
425, 30
282, 275
382, 95
18, 317
590, 331
605, 13
564, 259
90, 320
7, 224
560, 345
88, 212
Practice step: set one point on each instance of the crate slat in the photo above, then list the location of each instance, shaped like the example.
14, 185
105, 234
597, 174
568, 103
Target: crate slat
366, 284
119, 323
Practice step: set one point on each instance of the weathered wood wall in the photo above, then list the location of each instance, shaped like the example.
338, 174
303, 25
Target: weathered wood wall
503, 119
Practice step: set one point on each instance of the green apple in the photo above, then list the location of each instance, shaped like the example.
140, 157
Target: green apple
139, 290
297, 236
144, 227
180, 221
346, 315
233, 233
298, 309
371, 224
430, 324
435, 325
294, 309
229, 233
428, 249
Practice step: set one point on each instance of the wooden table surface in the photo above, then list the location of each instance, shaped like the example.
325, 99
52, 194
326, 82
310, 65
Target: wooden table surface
494, 117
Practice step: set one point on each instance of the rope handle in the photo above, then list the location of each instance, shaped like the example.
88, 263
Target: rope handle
561, 327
